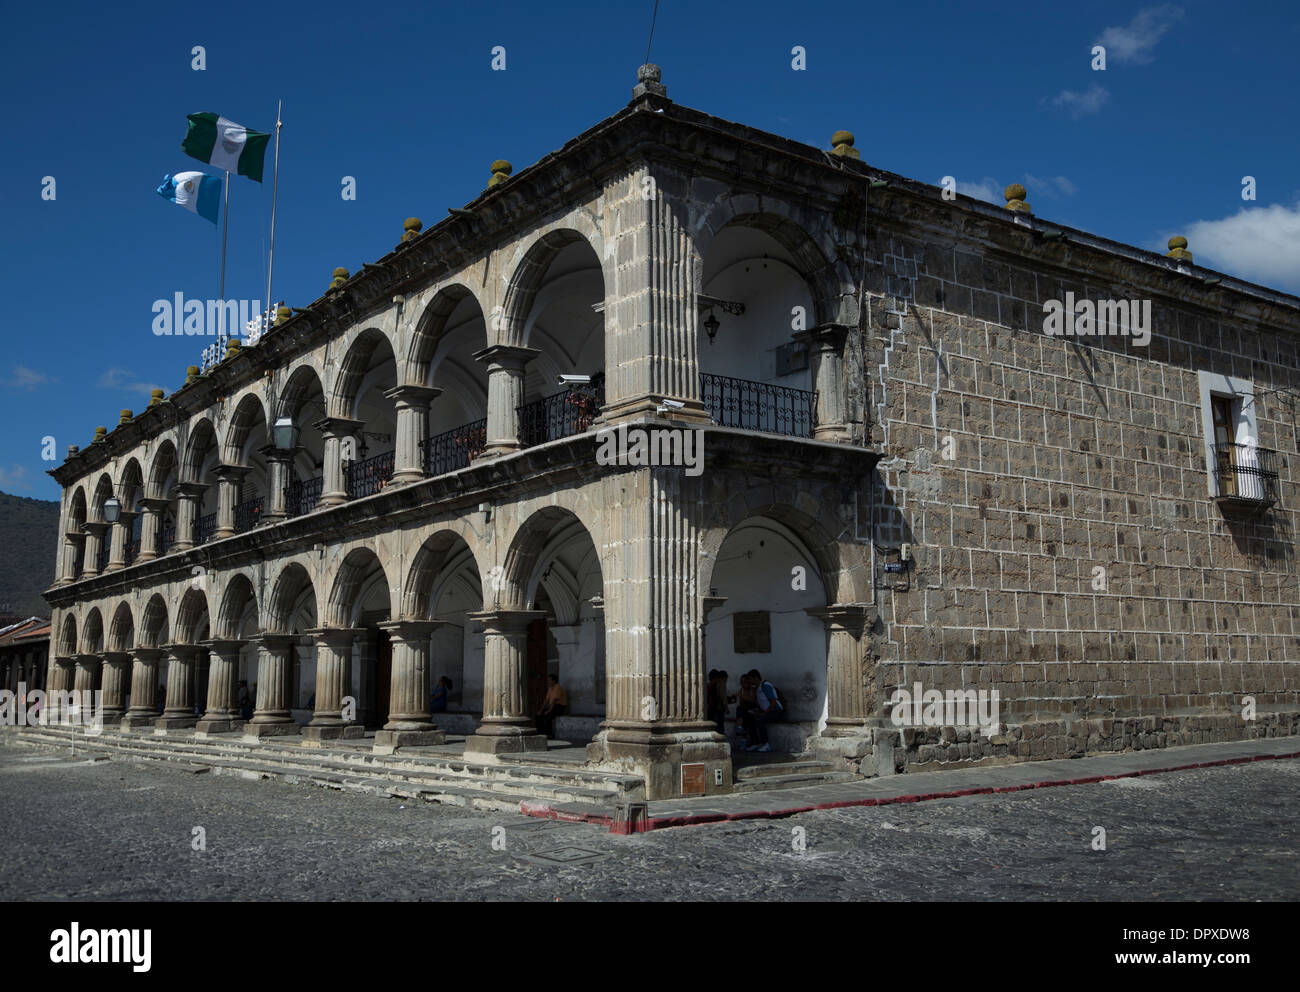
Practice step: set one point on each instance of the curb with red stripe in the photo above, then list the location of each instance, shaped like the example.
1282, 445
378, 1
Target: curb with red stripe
547, 811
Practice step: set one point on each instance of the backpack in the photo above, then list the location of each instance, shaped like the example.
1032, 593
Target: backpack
775, 696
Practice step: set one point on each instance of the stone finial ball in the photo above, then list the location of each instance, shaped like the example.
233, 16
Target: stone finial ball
1015, 192
842, 138
648, 73
502, 166
101, 433
192, 370
1176, 242
282, 314
413, 224
340, 273
157, 394
124, 416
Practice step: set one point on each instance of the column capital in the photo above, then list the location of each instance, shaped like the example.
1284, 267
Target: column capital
191, 490
155, 503
116, 656
273, 454
829, 334
96, 527
146, 654
411, 630
413, 396
85, 658
335, 637
223, 645
76, 535
273, 640
181, 650
506, 356
710, 603
850, 617
505, 621
338, 427
232, 472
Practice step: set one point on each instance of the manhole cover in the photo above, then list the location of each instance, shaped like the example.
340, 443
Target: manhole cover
565, 856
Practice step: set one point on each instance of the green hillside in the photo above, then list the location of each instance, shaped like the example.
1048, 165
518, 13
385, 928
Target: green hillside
28, 533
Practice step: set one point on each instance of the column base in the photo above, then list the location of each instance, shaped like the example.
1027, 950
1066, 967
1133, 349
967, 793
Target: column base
401, 478
218, 725
504, 743
167, 723
315, 735
387, 741
256, 730
113, 719
659, 759
137, 721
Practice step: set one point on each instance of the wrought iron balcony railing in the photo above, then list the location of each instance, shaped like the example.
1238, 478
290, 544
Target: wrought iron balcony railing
1245, 473
454, 449
758, 406
248, 514
105, 547
204, 527
368, 477
561, 415
132, 550
301, 497
166, 537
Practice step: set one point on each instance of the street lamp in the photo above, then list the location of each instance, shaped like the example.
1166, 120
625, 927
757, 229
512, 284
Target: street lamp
285, 433
711, 326
112, 510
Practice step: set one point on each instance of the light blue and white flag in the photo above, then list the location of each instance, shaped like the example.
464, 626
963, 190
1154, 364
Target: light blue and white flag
196, 192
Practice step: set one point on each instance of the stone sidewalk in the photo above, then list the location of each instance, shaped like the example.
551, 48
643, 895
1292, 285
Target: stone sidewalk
919, 787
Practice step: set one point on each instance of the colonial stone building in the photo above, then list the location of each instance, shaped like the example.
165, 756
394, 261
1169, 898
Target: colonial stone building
906, 480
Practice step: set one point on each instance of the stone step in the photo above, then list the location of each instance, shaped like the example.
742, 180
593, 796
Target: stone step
769, 768
766, 782
463, 783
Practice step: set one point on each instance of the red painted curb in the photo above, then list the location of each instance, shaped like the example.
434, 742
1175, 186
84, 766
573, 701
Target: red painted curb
546, 811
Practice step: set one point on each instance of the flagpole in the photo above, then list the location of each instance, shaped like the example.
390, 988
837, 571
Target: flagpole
225, 229
275, 191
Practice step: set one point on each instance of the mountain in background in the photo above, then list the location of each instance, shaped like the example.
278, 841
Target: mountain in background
28, 540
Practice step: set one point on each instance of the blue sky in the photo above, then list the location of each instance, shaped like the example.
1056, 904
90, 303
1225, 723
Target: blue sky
403, 98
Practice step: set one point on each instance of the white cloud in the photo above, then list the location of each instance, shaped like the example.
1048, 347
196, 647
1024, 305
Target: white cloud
1079, 104
1050, 186
124, 379
1257, 244
1134, 42
985, 189
13, 478
25, 378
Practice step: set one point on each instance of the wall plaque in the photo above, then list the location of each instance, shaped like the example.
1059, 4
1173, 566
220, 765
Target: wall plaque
693, 780
752, 632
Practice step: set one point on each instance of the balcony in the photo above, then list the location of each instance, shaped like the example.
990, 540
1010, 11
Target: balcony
204, 527
453, 450
759, 406
248, 514
301, 497
166, 538
561, 415
132, 551
368, 477
1246, 475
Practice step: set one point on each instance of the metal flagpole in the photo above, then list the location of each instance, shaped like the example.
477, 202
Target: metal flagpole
275, 190
225, 229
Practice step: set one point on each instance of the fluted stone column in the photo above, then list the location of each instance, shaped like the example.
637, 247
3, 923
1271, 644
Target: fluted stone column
277, 469
409, 721
151, 529
846, 697
412, 429
651, 311
114, 682
178, 712
95, 531
272, 715
61, 675
229, 479
189, 504
119, 534
333, 686
505, 364
86, 675
76, 539
826, 359
507, 725
222, 714
144, 689
335, 430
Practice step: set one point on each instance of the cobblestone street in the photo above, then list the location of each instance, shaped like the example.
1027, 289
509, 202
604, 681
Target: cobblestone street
84, 830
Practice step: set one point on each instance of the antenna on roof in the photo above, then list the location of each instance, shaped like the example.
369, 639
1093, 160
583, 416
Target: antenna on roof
653, 18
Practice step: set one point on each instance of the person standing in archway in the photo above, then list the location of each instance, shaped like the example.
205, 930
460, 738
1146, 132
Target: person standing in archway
556, 704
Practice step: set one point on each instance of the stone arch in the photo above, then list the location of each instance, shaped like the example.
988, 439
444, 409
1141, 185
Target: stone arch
440, 550
103, 490
67, 645
92, 632
131, 485
202, 443
248, 412
239, 592
293, 584
192, 623
121, 632
357, 361
816, 256
161, 470
354, 572
536, 539
432, 327
843, 580
530, 270
303, 383
77, 509
153, 623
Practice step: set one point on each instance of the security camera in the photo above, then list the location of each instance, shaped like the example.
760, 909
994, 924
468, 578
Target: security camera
574, 380
399, 299
672, 404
